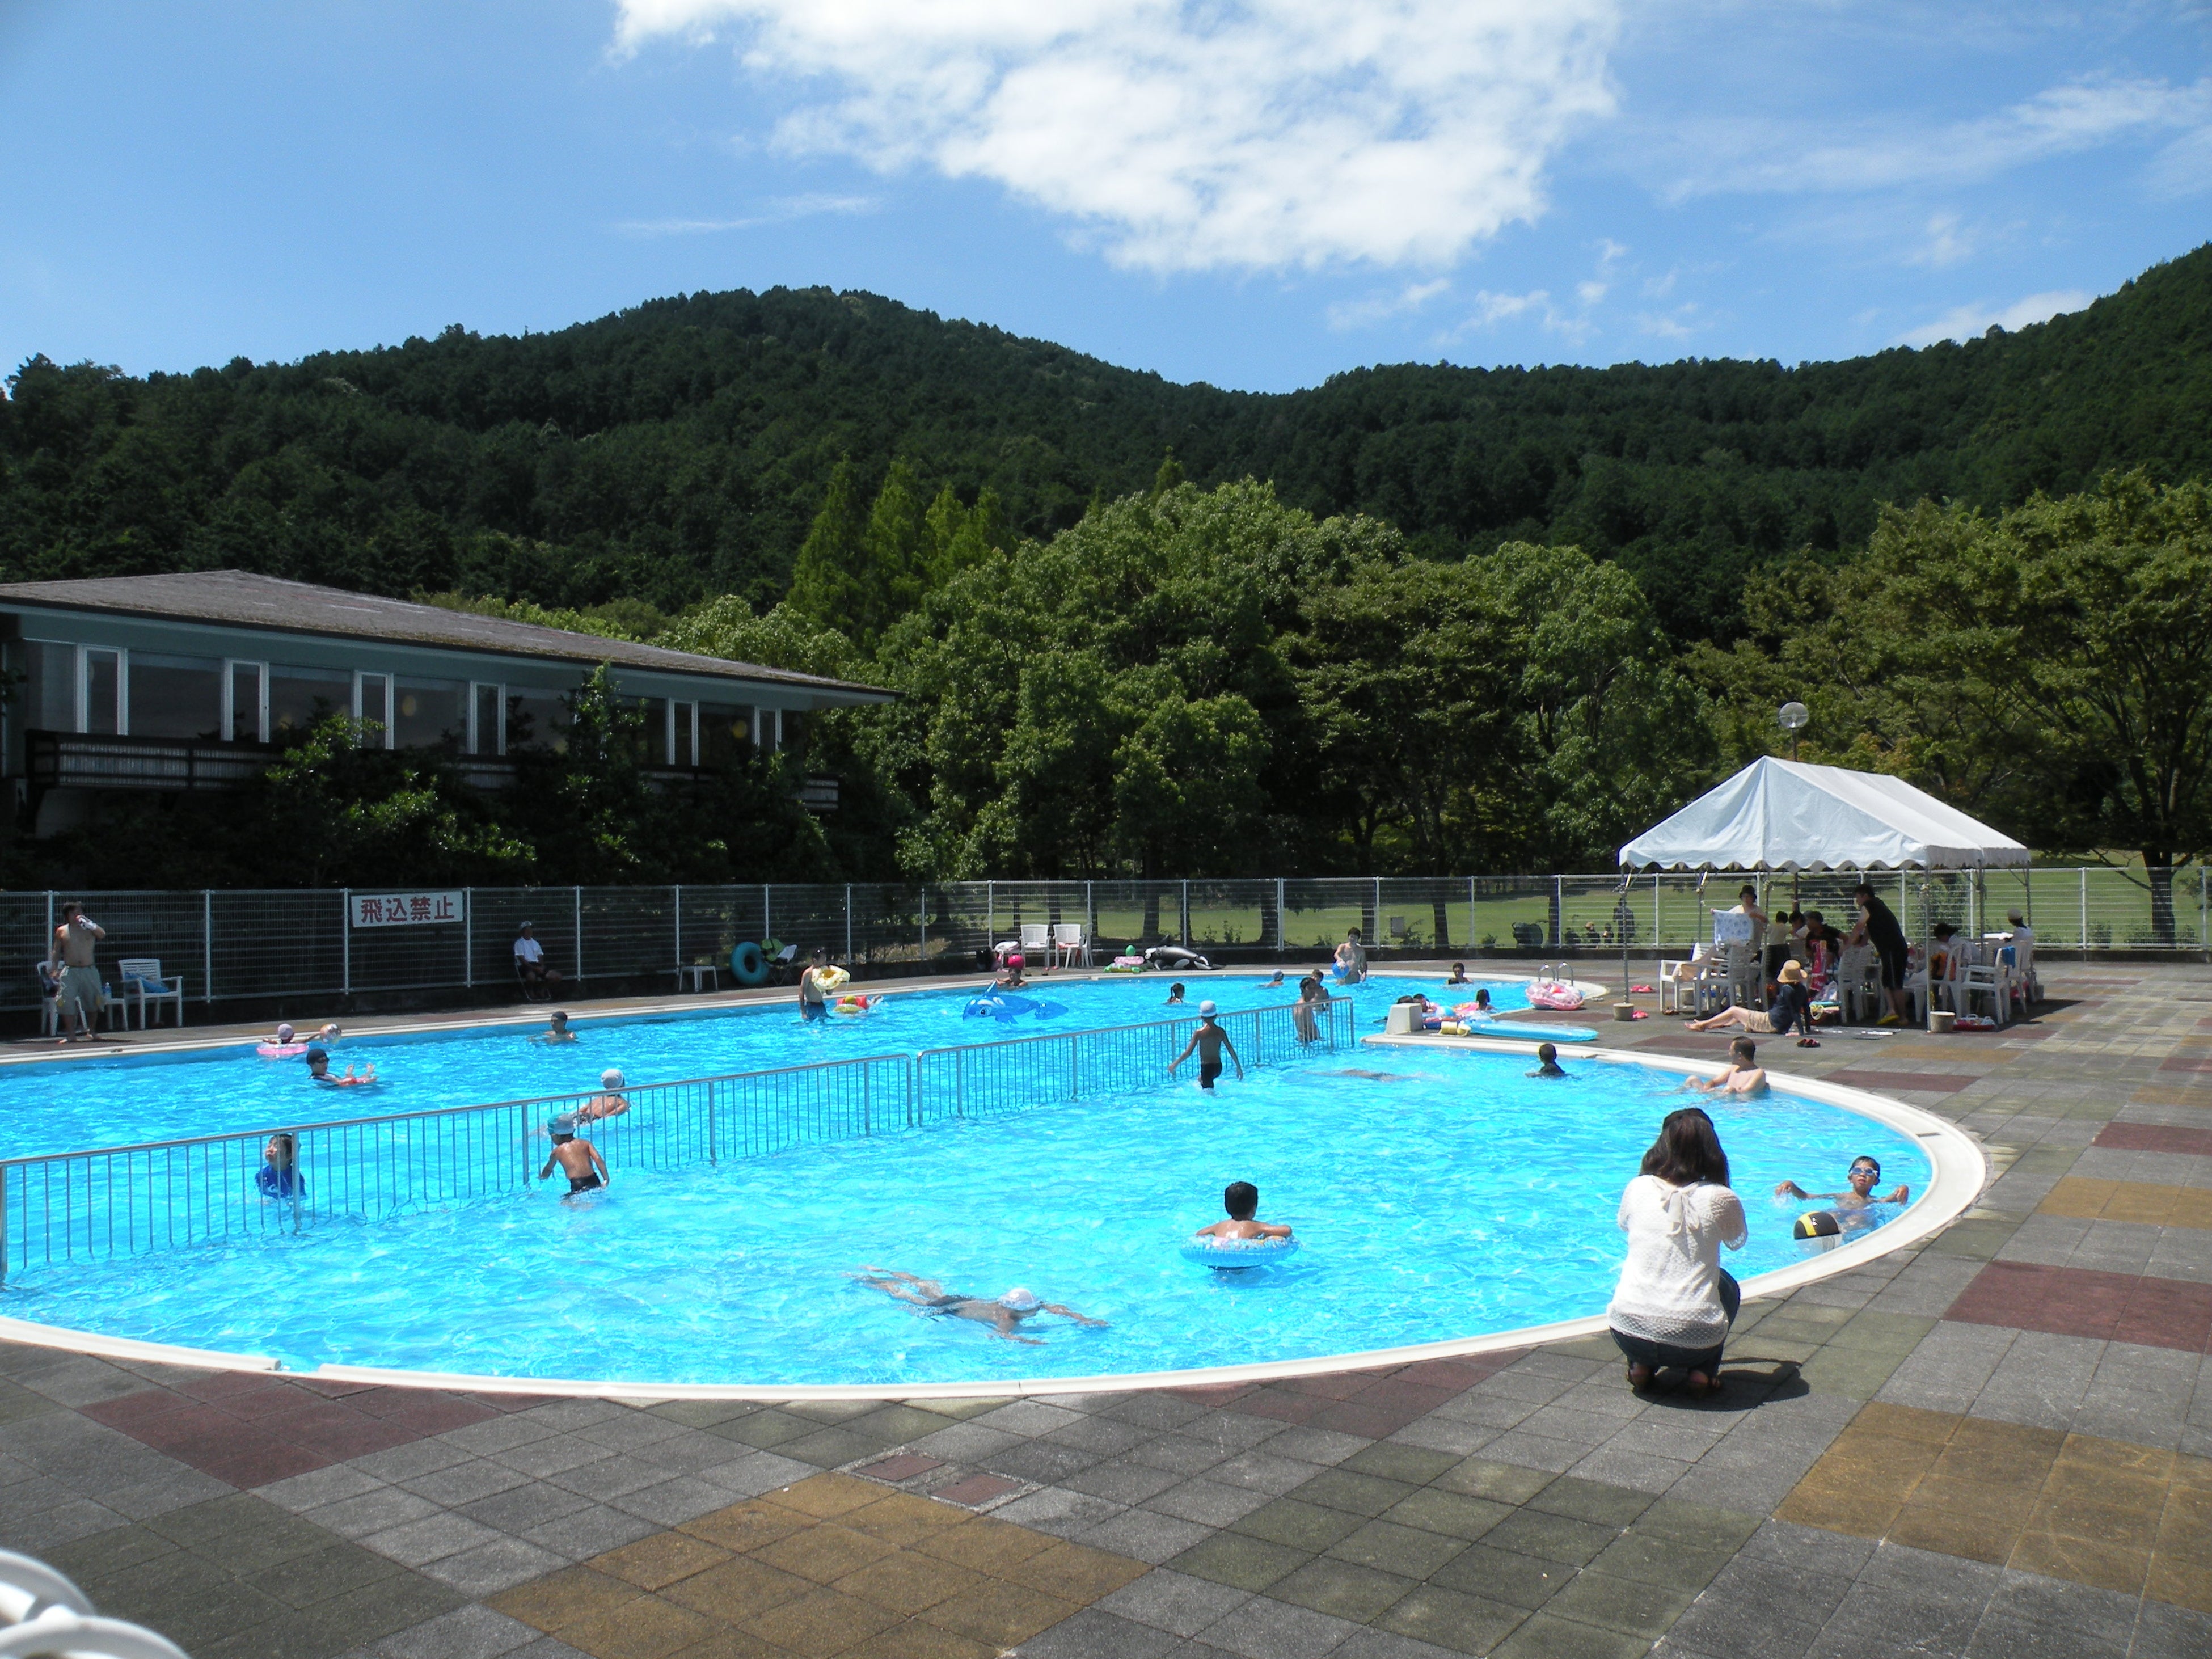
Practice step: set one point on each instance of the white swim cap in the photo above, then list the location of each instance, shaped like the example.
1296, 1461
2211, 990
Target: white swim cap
1020, 1300
611, 1079
283, 1033
1205, 1007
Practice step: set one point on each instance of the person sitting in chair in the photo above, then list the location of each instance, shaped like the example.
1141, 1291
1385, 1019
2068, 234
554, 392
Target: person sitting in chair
529, 964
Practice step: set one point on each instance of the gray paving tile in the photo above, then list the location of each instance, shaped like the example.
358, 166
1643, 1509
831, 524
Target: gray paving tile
498, 1434
1028, 1418
1207, 1502
318, 1486
371, 1512
417, 1458
1146, 1536
465, 1633
416, 1543
1265, 1629
590, 1531
630, 1430
1095, 1633
1056, 1509
498, 1564
672, 1503
1175, 1602
462, 1483
757, 1472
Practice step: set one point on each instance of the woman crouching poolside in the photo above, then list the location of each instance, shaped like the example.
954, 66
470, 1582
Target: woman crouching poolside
1675, 1304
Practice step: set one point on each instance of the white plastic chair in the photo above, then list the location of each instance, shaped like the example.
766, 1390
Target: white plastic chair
1036, 944
1671, 987
1069, 939
1858, 987
1980, 981
50, 1003
43, 1614
142, 978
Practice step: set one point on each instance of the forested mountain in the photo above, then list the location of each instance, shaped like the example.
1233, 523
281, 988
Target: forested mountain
682, 448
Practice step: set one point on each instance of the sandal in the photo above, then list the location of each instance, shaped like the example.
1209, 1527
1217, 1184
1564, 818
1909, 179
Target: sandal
1809, 1042
1698, 1386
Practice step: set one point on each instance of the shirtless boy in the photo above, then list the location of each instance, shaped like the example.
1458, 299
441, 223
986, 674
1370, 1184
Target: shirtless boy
1002, 1313
1209, 1039
1242, 1199
71, 947
580, 1161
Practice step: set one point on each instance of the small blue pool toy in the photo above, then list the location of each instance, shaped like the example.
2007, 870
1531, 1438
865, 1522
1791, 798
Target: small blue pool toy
1229, 1256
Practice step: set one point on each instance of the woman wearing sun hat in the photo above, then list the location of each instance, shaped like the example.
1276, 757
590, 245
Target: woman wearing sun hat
1792, 1005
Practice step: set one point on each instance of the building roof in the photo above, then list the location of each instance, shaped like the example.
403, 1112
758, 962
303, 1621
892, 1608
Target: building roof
240, 599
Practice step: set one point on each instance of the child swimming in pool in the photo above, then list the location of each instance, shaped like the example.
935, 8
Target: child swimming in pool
1242, 1199
1547, 1062
579, 1160
1175, 994
1004, 1313
1459, 975
1209, 1039
318, 1068
1852, 1208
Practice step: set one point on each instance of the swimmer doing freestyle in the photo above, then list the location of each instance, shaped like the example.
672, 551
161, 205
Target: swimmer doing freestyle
1004, 1313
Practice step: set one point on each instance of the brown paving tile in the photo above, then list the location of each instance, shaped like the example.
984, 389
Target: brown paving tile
732, 1643
906, 1582
738, 1591
822, 1623
2155, 1138
903, 1467
2187, 1584
1076, 1573
903, 1518
995, 1611
656, 1562
824, 1495
2186, 1063
916, 1640
823, 1554
2100, 1565
2153, 1094
986, 1545
2150, 1202
2161, 1313
744, 1527
648, 1628
563, 1598
1888, 1082
1947, 1530
977, 1490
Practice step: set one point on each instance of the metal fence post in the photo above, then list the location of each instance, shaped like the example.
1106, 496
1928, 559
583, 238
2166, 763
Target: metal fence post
1186, 915
679, 890
991, 913
848, 922
469, 936
345, 941
1282, 944
578, 895
207, 945
2084, 935
921, 950
1559, 911
1654, 909
2203, 905
766, 932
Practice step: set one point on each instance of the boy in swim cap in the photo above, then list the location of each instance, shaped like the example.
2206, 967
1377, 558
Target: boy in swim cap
1547, 1062
1865, 1171
1002, 1313
1242, 1199
578, 1159
1209, 1039
610, 1103
318, 1068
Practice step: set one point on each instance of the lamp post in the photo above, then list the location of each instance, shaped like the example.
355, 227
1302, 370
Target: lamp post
1795, 717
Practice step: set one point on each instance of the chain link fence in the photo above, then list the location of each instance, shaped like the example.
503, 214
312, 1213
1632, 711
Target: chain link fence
233, 945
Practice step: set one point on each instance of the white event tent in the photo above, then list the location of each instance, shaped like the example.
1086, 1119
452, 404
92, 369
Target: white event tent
1785, 815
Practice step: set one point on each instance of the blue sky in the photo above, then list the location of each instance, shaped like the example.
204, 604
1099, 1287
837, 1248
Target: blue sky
1254, 192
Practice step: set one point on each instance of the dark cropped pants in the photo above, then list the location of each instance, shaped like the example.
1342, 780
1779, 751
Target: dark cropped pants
1641, 1351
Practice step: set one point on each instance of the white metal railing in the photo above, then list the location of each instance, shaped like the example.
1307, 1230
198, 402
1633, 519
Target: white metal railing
74, 1207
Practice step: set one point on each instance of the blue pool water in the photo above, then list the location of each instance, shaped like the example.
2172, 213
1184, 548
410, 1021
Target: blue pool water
74, 1104
1447, 1196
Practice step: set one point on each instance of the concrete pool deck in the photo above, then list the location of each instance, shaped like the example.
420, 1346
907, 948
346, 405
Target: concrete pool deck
1994, 1442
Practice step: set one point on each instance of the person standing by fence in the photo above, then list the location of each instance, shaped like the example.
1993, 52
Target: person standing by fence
72, 947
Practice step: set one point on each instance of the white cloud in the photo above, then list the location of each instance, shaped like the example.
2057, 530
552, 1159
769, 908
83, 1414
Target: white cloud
1884, 154
1363, 313
1969, 322
1194, 134
781, 211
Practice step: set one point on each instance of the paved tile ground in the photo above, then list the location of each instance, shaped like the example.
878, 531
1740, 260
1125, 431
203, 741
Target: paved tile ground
1998, 1444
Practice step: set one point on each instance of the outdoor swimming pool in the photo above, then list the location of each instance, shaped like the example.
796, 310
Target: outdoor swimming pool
72, 1105
1438, 1194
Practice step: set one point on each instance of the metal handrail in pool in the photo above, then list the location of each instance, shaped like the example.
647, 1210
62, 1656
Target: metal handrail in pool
67, 1207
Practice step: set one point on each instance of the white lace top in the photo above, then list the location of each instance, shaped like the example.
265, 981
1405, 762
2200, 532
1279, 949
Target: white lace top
1669, 1289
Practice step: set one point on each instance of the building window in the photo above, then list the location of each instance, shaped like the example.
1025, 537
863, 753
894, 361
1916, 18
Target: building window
537, 720
49, 694
429, 713
726, 734
246, 717
372, 709
103, 708
792, 731
298, 698
175, 696
683, 734
487, 734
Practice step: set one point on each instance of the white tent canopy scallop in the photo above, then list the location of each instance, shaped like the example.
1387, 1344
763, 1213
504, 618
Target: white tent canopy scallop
1786, 815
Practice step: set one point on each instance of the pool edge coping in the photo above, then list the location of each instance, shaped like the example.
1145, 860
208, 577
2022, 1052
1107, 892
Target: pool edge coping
1960, 1173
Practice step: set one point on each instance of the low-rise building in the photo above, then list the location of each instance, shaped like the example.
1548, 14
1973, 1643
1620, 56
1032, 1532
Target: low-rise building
196, 679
